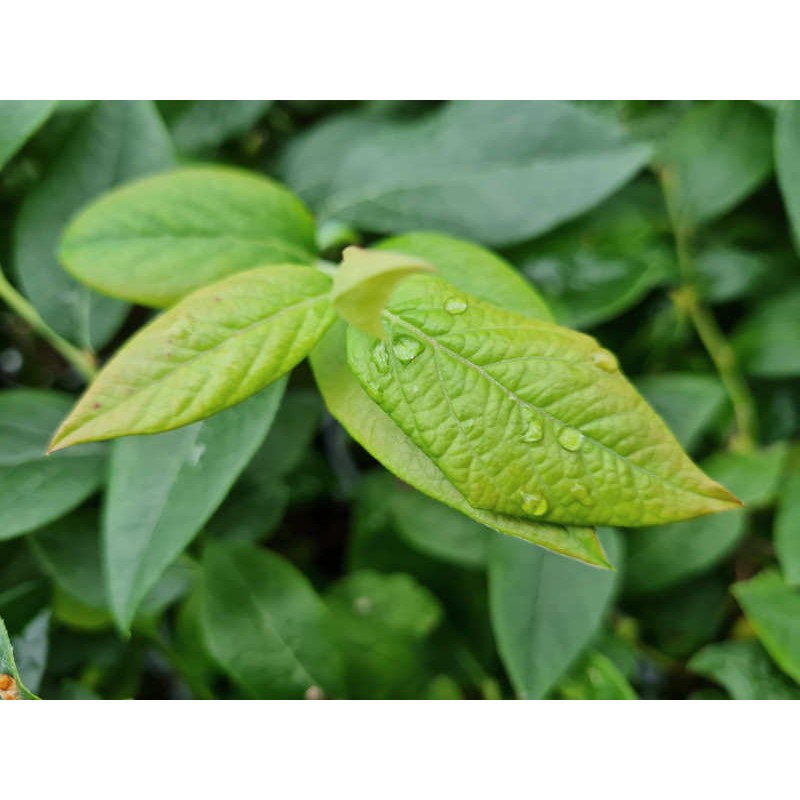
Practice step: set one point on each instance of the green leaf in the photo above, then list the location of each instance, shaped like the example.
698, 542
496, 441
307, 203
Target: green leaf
745, 670
754, 476
198, 125
768, 341
380, 622
596, 678
437, 530
13, 689
602, 264
215, 348
265, 624
689, 403
31, 649
787, 523
35, 489
545, 610
158, 239
787, 161
19, 120
773, 609
162, 490
476, 270
716, 156
364, 282
727, 273
114, 142
525, 418
498, 172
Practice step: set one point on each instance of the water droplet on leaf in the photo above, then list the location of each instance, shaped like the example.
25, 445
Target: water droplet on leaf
455, 305
534, 504
380, 357
570, 439
533, 428
605, 360
406, 348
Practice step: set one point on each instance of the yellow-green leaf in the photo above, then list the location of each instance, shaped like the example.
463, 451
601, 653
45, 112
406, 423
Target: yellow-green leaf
214, 349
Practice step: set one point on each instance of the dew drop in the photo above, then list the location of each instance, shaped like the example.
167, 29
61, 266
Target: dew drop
570, 439
380, 357
455, 306
534, 504
605, 360
406, 348
581, 494
533, 428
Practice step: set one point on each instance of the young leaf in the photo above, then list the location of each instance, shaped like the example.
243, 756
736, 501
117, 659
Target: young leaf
215, 348
158, 239
745, 670
114, 142
497, 172
19, 120
715, 157
265, 624
787, 160
11, 685
545, 610
523, 417
478, 271
364, 282
597, 678
162, 489
773, 609
33, 489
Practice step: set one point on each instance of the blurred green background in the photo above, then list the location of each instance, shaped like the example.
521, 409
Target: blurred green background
669, 230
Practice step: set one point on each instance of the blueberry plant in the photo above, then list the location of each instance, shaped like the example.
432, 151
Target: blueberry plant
522, 522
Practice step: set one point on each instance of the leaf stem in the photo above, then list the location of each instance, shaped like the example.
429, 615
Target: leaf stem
687, 297
83, 362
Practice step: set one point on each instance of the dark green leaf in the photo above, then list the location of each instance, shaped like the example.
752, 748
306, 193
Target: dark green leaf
115, 142
19, 120
34, 488
265, 624
787, 523
545, 609
497, 172
163, 489
787, 160
12, 687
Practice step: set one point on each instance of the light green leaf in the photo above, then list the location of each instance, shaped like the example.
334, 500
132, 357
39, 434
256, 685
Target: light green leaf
437, 530
745, 670
768, 341
485, 275
163, 488
214, 349
498, 172
114, 142
787, 523
787, 160
19, 120
156, 240
525, 418
545, 610
773, 609
689, 403
12, 687
35, 489
715, 157
364, 282
265, 625
198, 125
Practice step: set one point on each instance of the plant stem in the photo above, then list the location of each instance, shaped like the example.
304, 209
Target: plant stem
705, 324
82, 361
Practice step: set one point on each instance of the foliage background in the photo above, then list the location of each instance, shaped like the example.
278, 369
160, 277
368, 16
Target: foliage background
676, 247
